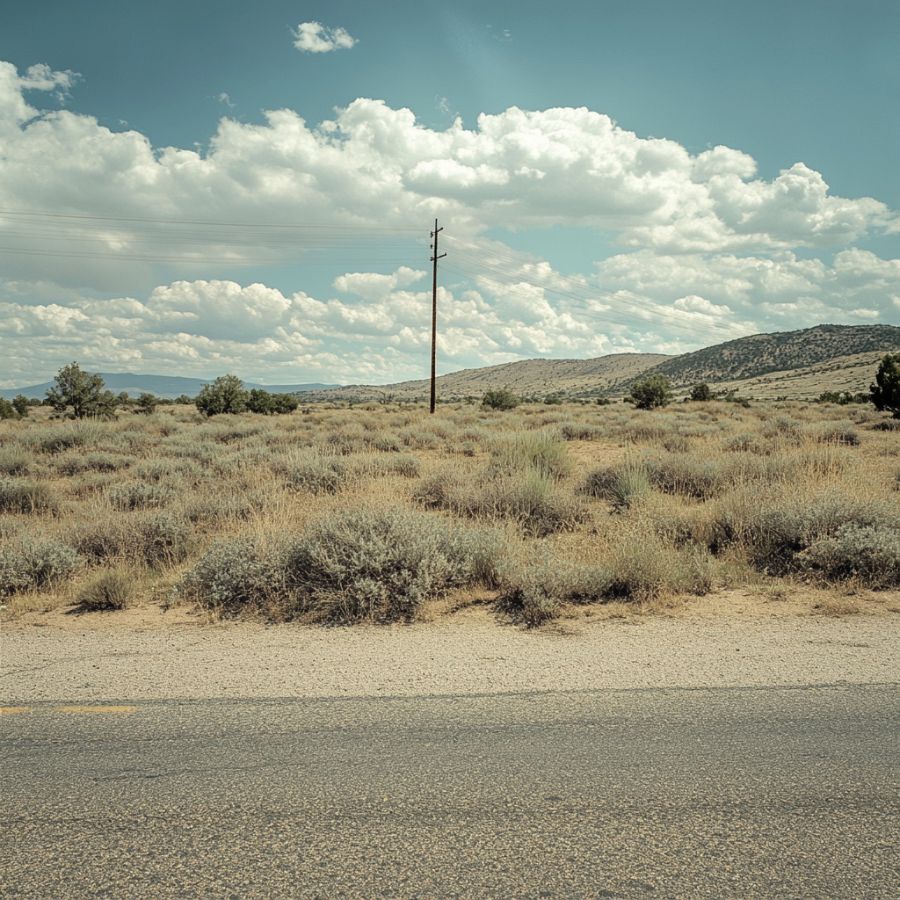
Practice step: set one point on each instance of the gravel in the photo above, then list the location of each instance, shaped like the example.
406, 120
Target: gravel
240, 660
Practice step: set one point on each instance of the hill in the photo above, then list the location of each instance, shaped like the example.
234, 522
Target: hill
528, 377
749, 358
168, 386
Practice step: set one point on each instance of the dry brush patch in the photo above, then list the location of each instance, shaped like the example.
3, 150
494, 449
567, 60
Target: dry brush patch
344, 515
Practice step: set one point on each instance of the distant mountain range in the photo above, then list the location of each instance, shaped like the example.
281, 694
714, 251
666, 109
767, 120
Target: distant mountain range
168, 386
793, 364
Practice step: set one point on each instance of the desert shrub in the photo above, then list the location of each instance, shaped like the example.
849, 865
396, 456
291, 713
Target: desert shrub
164, 469
225, 507
775, 526
59, 438
530, 451
887, 425
107, 590
7, 410
13, 461
91, 462
317, 473
687, 475
701, 392
500, 398
236, 576
580, 431
374, 465
677, 443
643, 567
622, 485
783, 430
743, 443
139, 495
159, 538
182, 446
646, 432
381, 565
863, 553
387, 443
154, 538
30, 563
837, 433
651, 392
418, 437
824, 459
537, 505
19, 496
101, 538
531, 500
534, 594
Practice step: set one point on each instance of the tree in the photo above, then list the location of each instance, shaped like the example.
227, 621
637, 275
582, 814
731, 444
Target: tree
285, 403
651, 392
20, 405
701, 392
225, 395
499, 398
183, 399
885, 392
261, 401
7, 410
146, 404
82, 392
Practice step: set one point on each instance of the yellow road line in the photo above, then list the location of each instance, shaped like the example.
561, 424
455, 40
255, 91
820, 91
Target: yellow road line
12, 710
96, 709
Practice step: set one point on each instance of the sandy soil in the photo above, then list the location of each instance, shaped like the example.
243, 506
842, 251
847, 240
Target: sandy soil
104, 657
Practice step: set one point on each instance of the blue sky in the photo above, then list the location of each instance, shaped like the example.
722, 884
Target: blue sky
577, 235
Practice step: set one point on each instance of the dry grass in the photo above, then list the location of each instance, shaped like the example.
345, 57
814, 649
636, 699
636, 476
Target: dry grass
379, 513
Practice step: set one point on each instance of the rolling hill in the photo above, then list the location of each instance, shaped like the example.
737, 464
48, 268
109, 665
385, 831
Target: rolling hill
525, 377
749, 358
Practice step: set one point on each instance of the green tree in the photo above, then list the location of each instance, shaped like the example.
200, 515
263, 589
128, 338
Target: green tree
225, 395
499, 398
285, 403
885, 392
81, 392
261, 402
651, 392
183, 399
20, 405
7, 410
701, 392
146, 404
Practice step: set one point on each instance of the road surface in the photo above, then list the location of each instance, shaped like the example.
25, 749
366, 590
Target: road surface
728, 792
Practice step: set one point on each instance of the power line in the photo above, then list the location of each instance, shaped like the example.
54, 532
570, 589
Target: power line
233, 261
56, 215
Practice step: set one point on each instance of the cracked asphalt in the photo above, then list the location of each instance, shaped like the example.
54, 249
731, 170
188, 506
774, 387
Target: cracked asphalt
692, 792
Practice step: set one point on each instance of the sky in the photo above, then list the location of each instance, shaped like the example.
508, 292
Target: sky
197, 188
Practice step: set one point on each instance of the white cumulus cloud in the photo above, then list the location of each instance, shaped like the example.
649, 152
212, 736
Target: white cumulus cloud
313, 37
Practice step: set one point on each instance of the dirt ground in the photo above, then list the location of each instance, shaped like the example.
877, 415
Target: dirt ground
733, 639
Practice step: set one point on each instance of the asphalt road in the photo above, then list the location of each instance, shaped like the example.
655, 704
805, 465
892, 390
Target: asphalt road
681, 793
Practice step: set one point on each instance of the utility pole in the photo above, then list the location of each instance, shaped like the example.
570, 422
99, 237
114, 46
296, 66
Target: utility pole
434, 260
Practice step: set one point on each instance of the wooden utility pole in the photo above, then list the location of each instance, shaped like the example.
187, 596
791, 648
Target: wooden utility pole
434, 260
